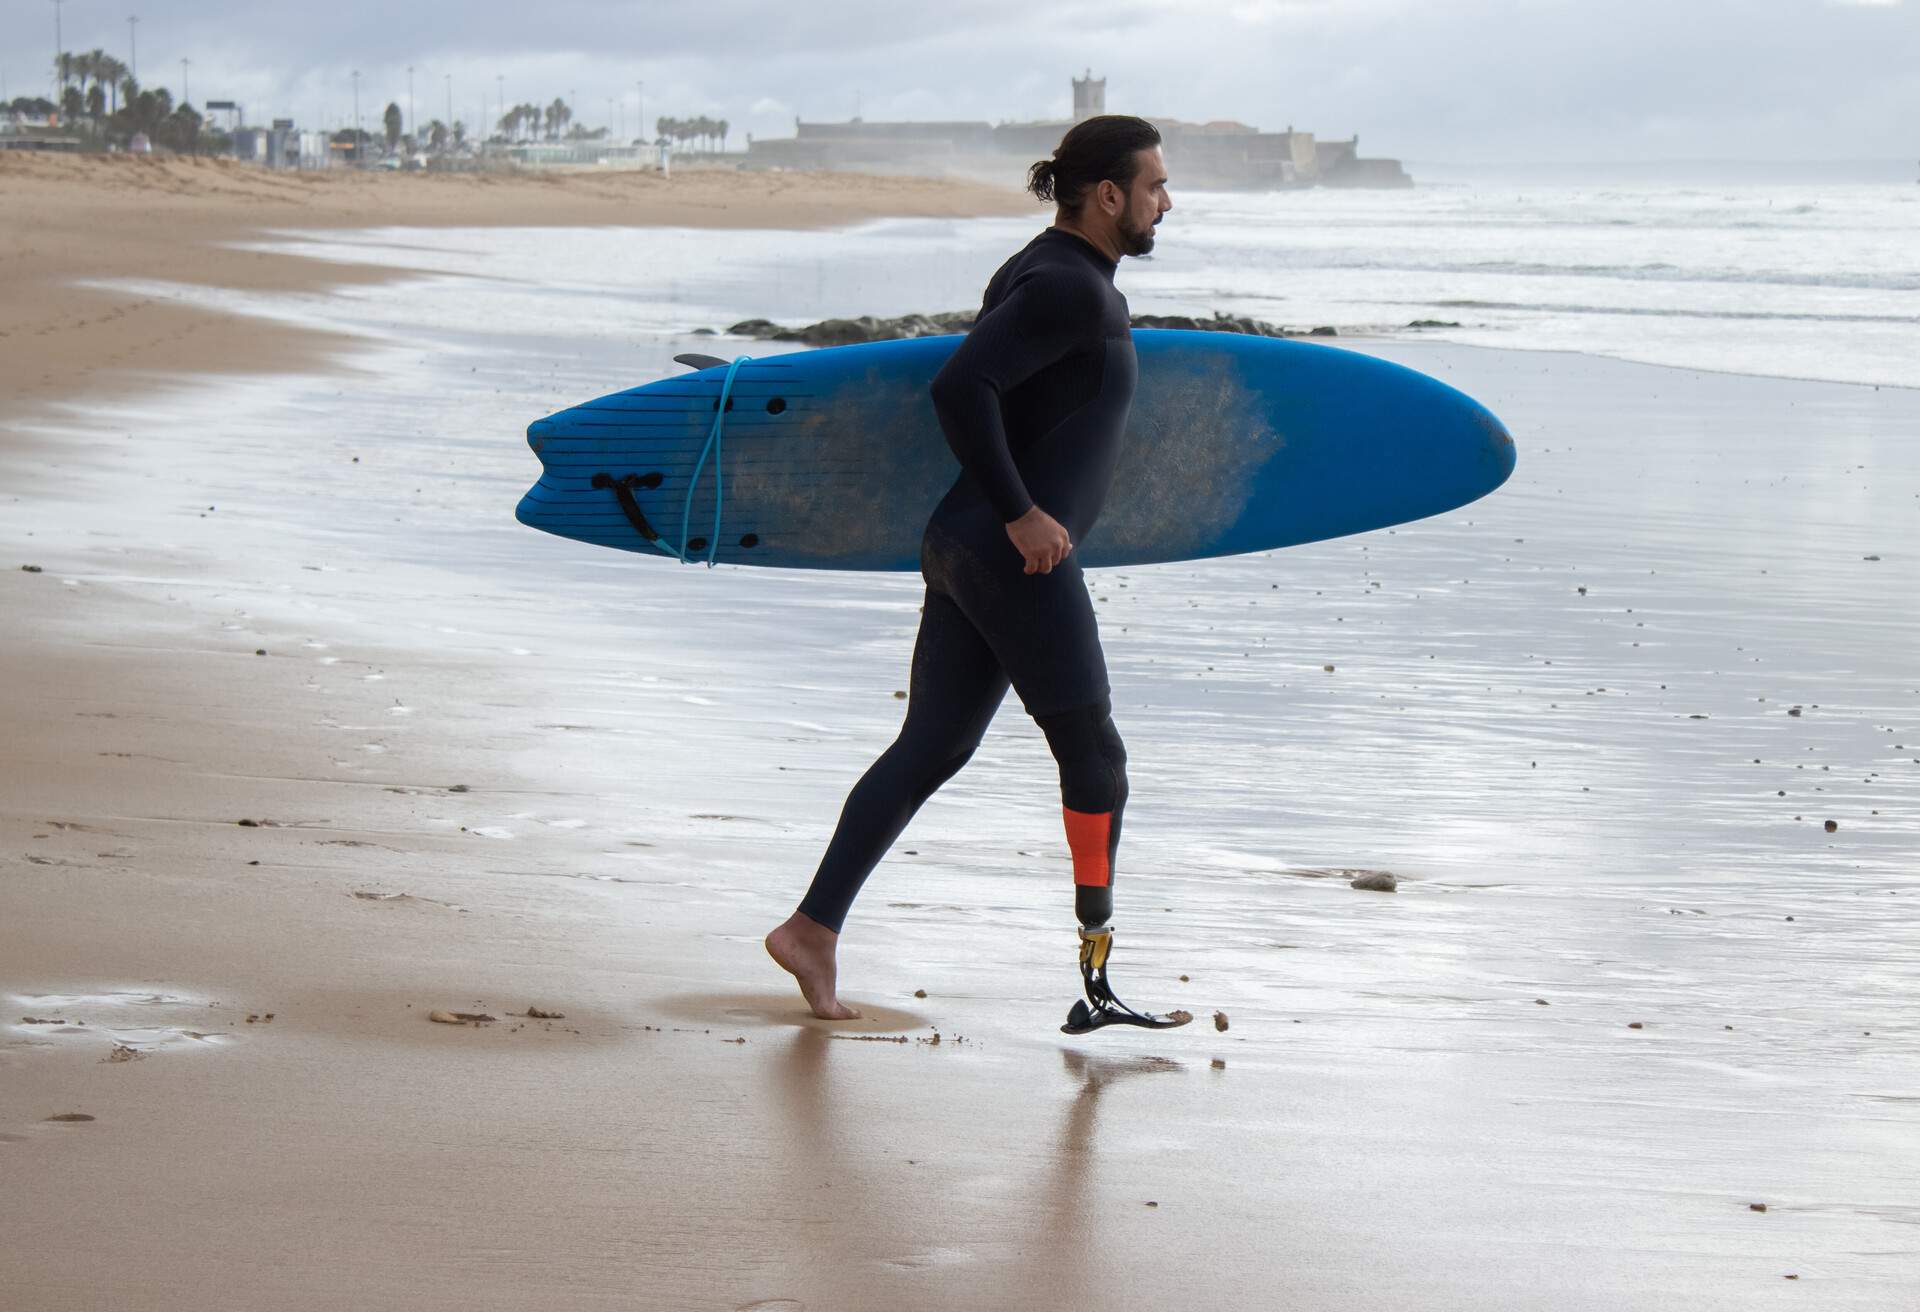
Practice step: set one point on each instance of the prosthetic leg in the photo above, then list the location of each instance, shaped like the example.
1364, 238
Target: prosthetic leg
1093, 904
1101, 1007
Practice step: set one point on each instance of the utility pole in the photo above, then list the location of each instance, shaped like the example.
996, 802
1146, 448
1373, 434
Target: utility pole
641, 87
413, 124
133, 46
449, 78
500, 86
58, 43
356, 117
186, 97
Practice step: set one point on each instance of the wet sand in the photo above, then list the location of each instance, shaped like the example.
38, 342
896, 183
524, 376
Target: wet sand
587, 785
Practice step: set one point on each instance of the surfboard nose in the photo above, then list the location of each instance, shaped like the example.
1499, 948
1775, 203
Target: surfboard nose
1497, 452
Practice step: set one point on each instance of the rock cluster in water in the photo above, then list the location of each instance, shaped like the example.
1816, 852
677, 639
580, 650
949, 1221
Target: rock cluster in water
869, 328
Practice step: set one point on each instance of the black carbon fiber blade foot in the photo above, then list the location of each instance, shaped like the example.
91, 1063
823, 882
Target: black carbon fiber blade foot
1084, 1019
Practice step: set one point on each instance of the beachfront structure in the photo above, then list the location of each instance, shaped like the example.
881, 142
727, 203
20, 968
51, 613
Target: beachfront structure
282, 146
1217, 155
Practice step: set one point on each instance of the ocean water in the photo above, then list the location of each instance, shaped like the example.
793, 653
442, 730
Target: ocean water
1790, 281
1596, 722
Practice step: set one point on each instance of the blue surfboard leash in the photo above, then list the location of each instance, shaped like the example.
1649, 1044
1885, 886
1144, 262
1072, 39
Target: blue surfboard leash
713, 447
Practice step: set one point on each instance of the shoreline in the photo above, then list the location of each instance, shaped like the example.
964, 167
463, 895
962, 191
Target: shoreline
308, 739
65, 219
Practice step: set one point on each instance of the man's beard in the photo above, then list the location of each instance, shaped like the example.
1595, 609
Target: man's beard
1135, 239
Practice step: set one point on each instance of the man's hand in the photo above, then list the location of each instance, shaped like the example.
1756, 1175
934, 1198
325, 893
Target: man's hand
1041, 538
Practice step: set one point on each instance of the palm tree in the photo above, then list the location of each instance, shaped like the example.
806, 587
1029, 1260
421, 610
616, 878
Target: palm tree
722, 125
393, 120
112, 72
94, 69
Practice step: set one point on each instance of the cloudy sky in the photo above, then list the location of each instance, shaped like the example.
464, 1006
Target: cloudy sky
1424, 80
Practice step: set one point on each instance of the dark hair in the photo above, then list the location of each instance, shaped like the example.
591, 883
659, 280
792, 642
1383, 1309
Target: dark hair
1100, 149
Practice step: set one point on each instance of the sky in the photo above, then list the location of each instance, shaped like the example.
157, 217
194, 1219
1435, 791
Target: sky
1423, 80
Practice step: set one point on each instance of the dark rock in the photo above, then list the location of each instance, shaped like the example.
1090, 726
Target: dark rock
869, 328
1433, 323
1375, 881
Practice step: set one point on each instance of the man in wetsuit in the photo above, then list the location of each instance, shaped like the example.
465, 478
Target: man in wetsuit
1034, 404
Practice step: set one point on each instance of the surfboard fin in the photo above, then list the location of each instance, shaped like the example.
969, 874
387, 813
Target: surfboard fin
1102, 1007
694, 360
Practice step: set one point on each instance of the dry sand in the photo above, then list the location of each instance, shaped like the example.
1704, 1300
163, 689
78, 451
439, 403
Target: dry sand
67, 219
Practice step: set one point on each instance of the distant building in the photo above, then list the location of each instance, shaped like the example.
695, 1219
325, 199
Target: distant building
283, 146
1218, 155
1089, 97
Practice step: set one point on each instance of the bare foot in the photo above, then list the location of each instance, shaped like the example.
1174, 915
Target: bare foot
805, 950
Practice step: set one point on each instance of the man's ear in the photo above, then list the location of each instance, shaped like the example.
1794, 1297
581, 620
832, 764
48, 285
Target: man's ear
1112, 199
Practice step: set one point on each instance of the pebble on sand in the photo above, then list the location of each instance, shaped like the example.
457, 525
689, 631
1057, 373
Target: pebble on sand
458, 1017
1220, 1021
919, 993
1376, 881
1756, 1207
535, 1013
1635, 1025
30, 569
1219, 1063
1832, 826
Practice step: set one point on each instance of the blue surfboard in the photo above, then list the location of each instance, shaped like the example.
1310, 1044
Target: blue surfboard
833, 459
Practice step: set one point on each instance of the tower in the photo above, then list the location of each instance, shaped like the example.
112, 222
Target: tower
1089, 97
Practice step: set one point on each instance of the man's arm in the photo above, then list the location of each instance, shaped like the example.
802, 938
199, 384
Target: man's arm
1041, 320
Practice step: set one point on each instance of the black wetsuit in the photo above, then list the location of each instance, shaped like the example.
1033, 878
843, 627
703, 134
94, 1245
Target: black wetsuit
1034, 404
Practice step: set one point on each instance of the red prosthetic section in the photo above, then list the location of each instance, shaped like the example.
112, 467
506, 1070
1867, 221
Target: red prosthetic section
1089, 835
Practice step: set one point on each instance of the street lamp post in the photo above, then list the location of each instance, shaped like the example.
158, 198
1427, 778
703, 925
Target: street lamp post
59, 69
413, 124
641, 127
449, 78
186, 94
133, 46
356, 118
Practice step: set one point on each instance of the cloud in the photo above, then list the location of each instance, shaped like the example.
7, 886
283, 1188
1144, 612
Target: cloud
1468, 79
